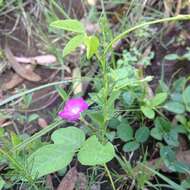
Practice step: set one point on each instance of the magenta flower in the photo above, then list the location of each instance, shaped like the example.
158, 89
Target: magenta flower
73, 108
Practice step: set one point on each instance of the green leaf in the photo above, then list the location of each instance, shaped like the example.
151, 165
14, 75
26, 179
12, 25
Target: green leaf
92, 44
131, 146
1, 3
177, 97
73, 44
48, 159
171, 57
159, 99
171, 138
113, 123
175, 107
15, 139
70, 136
148, 112
186, 183
186, 98
2, 183
33, 117
2, 131
111, 135
62, 93
96, 116
142, 134
156, 133
69, 25
111, 103
128, 98
94, 153
179, 84
169, 158
167, 154
125, 132
162, 127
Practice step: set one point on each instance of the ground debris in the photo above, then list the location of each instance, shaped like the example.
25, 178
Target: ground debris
13, 82
69, 181
25, 72
41, 59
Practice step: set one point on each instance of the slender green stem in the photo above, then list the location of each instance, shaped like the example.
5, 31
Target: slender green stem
125, 33
60, 9
110, 177
31, 91
88, 124
37, 135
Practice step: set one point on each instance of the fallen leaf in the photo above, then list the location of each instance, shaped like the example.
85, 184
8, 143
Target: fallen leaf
41, 60
69, 181
42, 123
13, 82
2, 121
24, 72
183, 156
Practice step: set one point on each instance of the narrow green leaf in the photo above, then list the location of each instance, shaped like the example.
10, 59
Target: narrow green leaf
62, 93
92, 44
33, 117
94, 153
171, 57
148, 112
96, 117
15, 139
73, 44
159, 99
186, 98
69, 25
2, 183
167, 180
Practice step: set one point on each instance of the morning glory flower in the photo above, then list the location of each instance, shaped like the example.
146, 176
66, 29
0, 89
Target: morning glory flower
73, 108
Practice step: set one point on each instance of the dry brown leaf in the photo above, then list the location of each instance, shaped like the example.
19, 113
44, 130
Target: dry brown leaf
69, 181
2, 121
183, 156
41, 60
25, 72
13, 82
42, 123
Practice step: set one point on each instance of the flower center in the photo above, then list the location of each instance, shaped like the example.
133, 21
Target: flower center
75, 110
